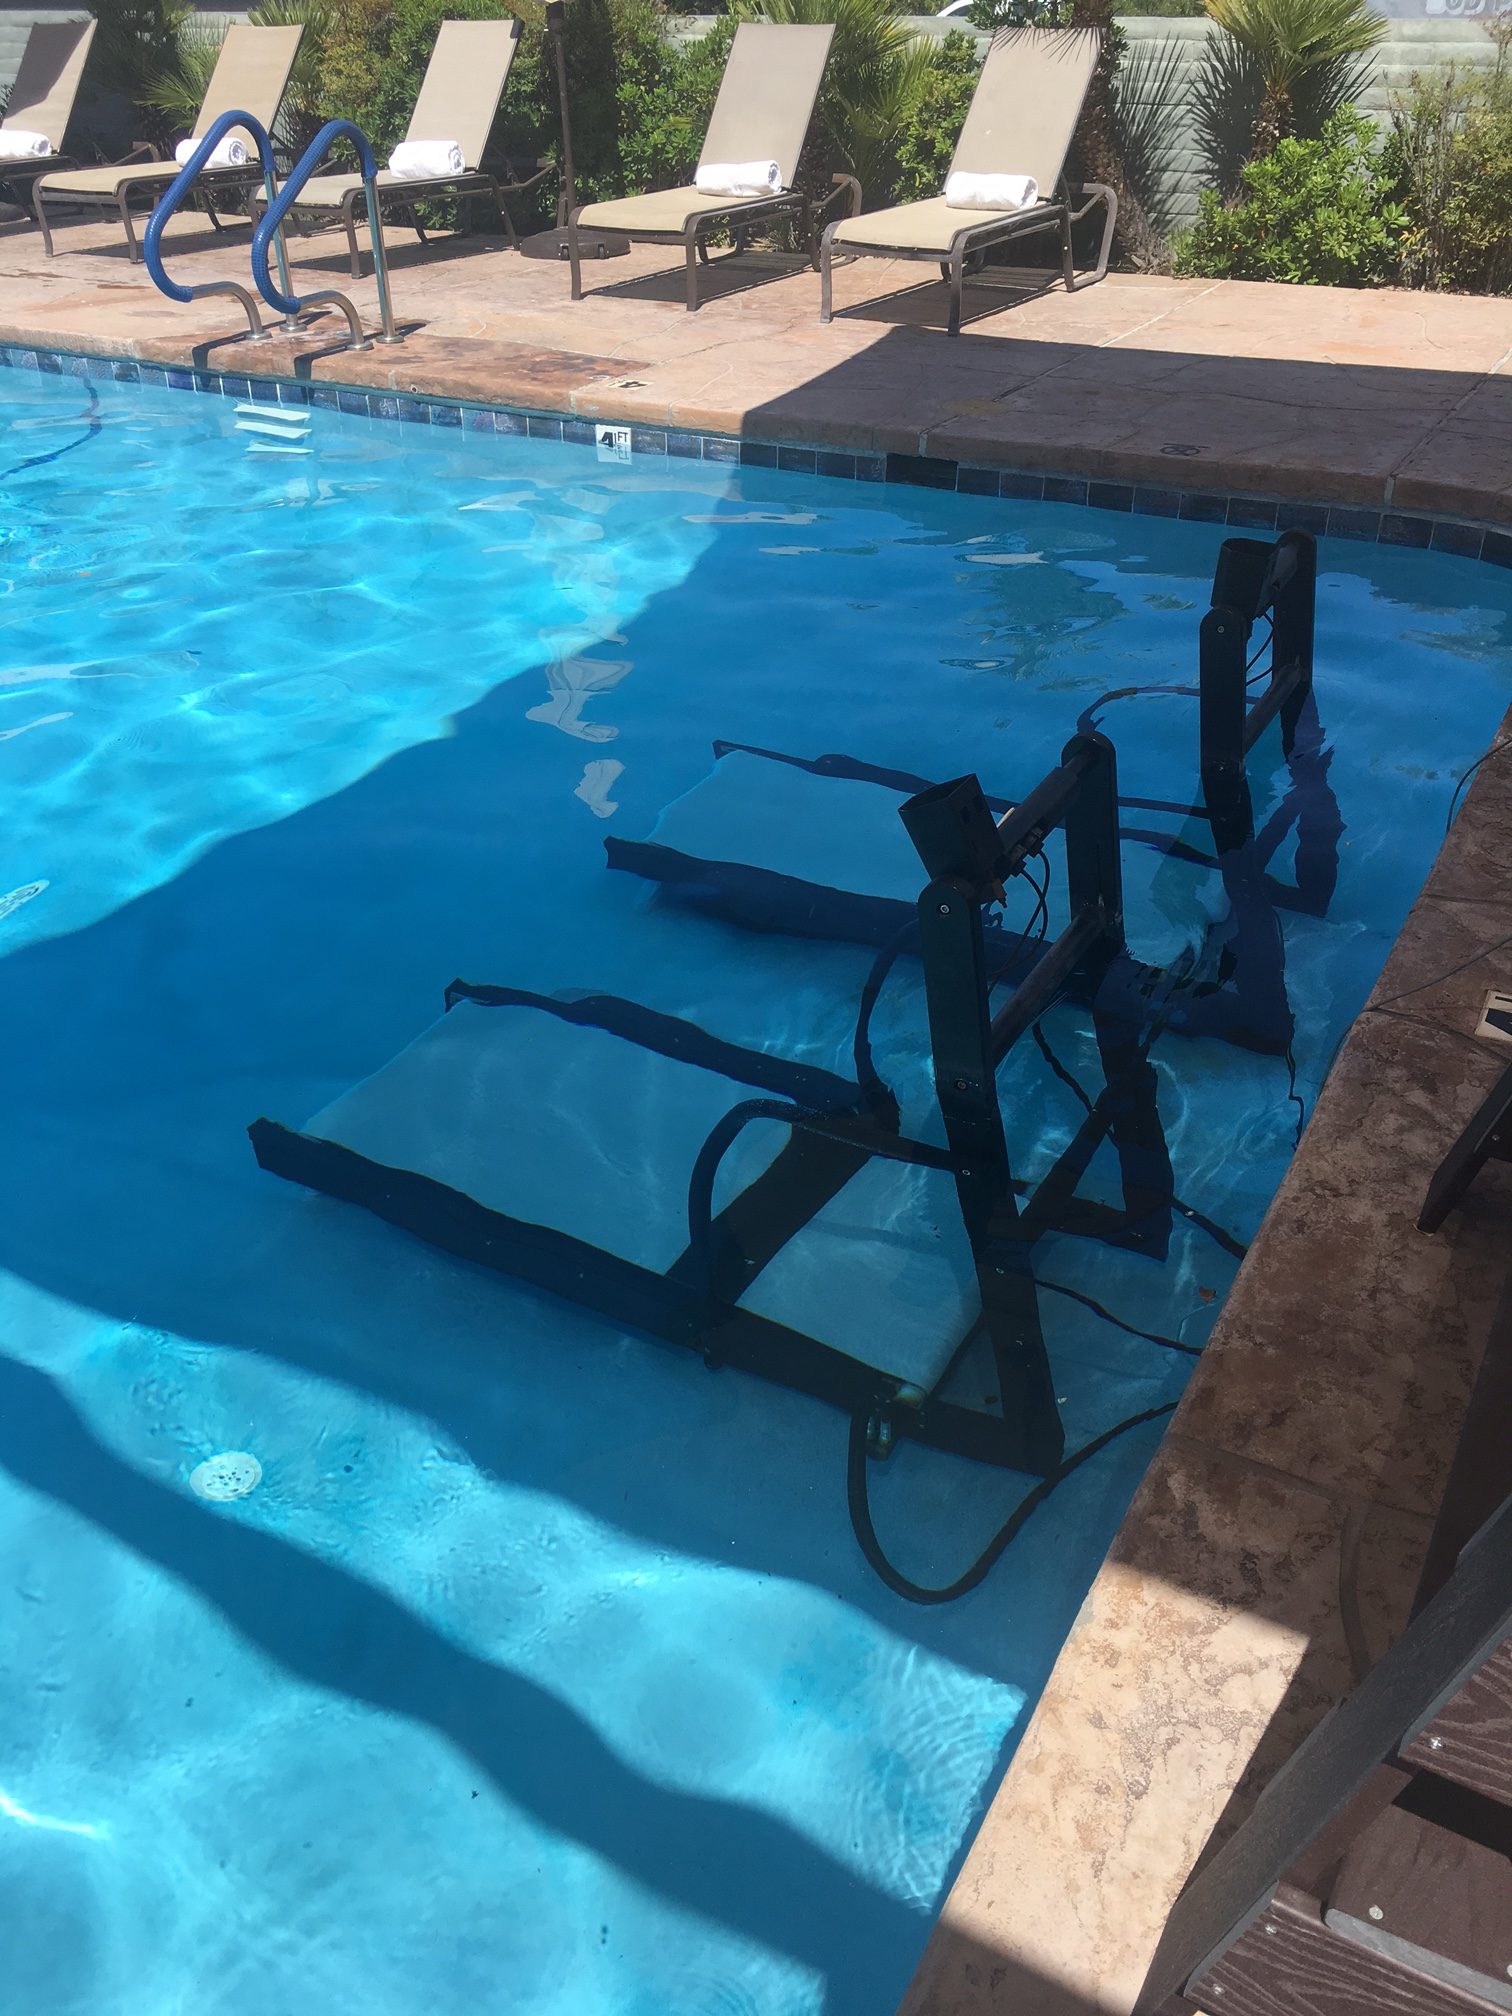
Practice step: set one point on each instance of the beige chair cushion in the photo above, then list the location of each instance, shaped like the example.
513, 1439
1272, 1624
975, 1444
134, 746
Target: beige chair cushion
929, 226
106, 181
669, 210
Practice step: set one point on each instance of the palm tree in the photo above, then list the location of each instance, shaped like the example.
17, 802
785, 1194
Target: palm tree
1292, 40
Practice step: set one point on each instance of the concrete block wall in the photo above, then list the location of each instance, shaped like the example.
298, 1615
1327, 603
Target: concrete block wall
1423, 46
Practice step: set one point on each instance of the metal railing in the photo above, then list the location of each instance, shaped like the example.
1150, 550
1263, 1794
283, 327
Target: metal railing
267, 235
174, 195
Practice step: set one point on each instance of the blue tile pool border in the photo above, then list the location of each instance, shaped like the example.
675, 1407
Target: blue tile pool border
1467, 538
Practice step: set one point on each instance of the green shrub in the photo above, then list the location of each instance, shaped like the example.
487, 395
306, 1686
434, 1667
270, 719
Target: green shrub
926, 138
664, 105
1317, 211
1450, 152
618, 59
137, 45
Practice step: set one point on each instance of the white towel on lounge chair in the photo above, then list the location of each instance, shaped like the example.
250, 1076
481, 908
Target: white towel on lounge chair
739, 178
426, 160
228, 152
19, 145
990, 192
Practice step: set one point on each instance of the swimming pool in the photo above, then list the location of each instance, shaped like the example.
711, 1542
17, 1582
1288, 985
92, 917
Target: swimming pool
540, 1671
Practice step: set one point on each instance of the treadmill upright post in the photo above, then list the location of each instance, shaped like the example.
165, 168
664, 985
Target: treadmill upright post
956, 985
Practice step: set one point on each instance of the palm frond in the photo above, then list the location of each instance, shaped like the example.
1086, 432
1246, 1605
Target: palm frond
1288, 38
1148, 117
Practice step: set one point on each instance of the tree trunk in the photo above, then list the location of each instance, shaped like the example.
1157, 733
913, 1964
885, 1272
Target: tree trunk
1097, 144
1272, 122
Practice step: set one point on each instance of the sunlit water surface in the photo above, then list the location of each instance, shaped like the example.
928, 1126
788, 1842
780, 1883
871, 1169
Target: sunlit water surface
541, 1672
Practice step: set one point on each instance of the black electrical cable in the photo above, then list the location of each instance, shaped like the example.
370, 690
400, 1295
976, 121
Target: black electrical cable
1042, 1044
1086, 721
1294, 1097
1388, 1006
867, 1074
1265, 641
1007, 1533
1485, 756
1216, 1232
1035, 931
92, 426
1132, 1329
868, 1077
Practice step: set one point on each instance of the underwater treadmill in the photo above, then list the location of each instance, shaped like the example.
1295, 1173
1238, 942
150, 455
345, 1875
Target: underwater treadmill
738, 846
766, 1214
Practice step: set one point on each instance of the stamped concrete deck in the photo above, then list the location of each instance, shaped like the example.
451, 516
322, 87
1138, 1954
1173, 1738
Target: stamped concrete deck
1273, 1548
1332, 395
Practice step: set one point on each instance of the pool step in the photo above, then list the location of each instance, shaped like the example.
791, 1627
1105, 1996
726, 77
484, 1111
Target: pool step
274, 423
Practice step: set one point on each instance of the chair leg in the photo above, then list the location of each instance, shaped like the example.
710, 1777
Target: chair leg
826, 277
690, 241
1068, 263
40, 208
124, 206
508, 222
1105, 250
957, 261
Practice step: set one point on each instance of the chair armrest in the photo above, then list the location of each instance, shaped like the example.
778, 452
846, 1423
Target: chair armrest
509, 174
141, 150
844, 186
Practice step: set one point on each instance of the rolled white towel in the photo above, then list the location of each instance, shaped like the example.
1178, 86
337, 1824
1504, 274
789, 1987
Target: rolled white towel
426, 160
16, 144
229, 152
990, 192
738, 178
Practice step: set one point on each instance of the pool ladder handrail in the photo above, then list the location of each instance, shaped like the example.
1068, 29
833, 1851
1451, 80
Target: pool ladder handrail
267, 233
173, 196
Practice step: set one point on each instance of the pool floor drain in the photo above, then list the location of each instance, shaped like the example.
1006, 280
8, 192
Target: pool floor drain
231, 1475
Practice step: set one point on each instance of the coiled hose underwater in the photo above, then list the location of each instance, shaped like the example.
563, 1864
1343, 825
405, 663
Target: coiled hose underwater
859, 1507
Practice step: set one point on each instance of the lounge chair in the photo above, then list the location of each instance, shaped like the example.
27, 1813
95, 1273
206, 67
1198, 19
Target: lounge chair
251, 74
42, 100
1020, 122
459, 100
763, 113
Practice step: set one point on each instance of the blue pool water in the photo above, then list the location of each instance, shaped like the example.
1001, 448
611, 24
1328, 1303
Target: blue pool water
541, 1672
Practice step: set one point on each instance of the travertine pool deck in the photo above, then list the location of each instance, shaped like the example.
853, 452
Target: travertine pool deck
1383, 398
1273, 1548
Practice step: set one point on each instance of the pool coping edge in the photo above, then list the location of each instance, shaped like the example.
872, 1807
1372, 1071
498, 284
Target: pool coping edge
1461, 537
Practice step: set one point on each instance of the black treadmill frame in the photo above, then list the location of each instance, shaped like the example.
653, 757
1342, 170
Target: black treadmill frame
835, 1127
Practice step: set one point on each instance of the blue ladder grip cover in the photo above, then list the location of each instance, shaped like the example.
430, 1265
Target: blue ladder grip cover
278, 209
183, 182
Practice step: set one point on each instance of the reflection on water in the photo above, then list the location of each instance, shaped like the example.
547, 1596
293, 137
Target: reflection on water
573, 683
597, 781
